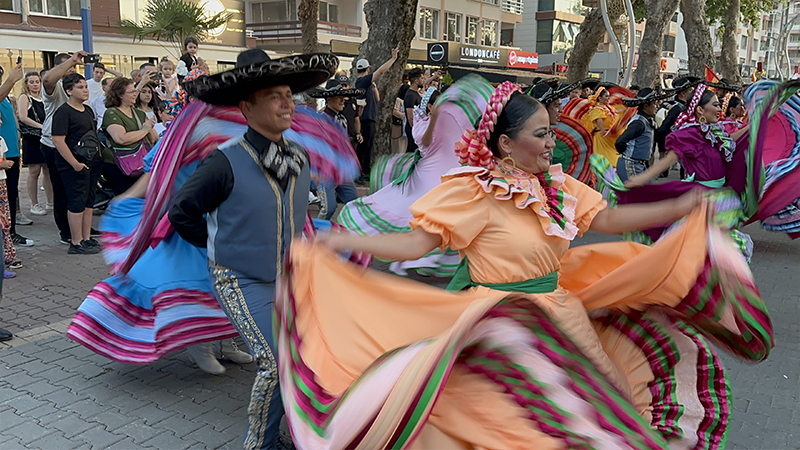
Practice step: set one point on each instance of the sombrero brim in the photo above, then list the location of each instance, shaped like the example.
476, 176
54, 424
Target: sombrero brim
693, 81
589, 82
299, 72
322, 93
638, 101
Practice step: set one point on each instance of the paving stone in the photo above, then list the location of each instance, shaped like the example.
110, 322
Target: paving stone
151, 414
25, 403
71, 424
27, 431
139, 431
127, 444
210, 437
62, 398
13, 358
219, 420
55, 440
168, 440
87, 408
190, 409
13, 444
110, 419
40, 388
70, 362
9, 419
41, 411
178, 425
98, 437
49, 355
19, 379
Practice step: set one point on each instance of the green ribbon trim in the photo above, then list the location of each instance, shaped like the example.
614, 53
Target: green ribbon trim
542, 285
404, 176
713, 184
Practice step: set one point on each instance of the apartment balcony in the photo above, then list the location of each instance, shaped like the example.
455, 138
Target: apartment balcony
291, 31
512, 11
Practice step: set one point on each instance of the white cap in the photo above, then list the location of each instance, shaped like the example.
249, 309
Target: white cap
362, 64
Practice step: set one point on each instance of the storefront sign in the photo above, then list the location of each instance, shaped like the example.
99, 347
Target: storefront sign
469, 55
520, 59
231, 33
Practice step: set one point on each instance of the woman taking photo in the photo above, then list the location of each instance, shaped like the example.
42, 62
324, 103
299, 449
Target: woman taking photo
30, 110
127, 128
78, 161
148, 103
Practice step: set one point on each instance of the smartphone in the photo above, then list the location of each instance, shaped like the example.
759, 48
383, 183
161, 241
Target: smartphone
158, 76
91, 59
19, 60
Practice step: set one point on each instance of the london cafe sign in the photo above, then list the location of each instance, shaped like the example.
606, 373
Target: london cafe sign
441, 53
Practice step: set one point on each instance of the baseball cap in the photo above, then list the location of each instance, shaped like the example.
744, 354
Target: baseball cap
362, 64
342, 79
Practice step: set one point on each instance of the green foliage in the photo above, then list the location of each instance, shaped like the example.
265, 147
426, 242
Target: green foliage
173, 21
447, 79
639, 10
751, 11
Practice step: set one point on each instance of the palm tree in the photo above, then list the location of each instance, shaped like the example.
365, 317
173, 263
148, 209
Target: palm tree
308, 13
173, 21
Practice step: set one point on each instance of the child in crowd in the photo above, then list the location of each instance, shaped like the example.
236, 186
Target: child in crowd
170, 78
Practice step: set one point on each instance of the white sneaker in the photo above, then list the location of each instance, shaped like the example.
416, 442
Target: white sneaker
312, 198
230, 351
38, 210
203, 356
49, 207
22, 220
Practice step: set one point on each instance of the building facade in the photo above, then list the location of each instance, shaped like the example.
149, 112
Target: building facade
342, 25
37, 30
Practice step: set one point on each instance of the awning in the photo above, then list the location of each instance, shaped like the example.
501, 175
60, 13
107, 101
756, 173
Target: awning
495, 75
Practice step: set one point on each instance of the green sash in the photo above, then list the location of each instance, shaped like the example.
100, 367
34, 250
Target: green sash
713, 184
404, 176
462, 280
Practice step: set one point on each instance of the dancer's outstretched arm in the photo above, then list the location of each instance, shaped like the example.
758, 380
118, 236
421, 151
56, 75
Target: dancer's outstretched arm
643, 178
642, 216
396, 246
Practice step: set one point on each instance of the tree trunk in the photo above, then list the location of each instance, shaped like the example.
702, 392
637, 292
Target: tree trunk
391, 24
591, 34
729, 55
698, 36
659, 14
308, 14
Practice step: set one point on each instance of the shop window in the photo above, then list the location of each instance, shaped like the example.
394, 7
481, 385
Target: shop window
452, 30
275, 11
8, 5
60, 8
489, 33
472, 30
428, 23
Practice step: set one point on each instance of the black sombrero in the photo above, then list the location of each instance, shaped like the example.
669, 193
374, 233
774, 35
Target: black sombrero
255, 70
724, 84
546, 93
684, 82
644, 96
589, 83
333, 88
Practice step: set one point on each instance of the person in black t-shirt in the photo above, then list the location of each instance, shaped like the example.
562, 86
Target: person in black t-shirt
74, 124
412, 98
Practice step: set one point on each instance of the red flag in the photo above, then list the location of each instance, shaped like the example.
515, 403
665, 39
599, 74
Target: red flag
711, 77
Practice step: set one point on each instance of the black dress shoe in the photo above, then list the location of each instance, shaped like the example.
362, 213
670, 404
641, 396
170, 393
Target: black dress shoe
5, 335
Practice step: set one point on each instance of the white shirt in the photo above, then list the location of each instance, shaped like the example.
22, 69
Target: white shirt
51, 103
3, 150
99, 108
95, 89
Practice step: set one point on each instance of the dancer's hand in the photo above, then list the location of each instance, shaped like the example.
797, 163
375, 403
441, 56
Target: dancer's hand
687, 202
331, 241
634, 182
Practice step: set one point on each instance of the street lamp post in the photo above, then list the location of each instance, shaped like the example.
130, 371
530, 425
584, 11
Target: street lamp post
86, 34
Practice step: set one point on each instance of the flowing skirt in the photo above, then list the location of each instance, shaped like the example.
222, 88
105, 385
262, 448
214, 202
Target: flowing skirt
162, 305
368, 360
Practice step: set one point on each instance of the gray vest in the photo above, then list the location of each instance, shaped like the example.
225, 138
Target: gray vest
250, 230
641, 147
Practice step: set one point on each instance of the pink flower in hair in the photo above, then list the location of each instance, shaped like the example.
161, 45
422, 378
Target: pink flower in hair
472, 150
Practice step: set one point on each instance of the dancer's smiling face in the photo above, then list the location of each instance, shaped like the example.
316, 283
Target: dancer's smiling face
523, 132
269, 111
708, 108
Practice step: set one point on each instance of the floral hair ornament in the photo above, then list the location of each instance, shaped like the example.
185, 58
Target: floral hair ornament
472, 150
180, 98
713, 133
593, 99
725, 102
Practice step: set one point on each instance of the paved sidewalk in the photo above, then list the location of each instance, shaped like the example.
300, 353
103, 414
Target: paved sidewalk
55, 394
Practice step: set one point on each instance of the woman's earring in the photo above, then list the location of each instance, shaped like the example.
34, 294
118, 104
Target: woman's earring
702, 119
508, 161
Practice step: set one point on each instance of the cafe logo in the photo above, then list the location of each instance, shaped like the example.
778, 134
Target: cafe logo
480, 54
436, 52
513, 59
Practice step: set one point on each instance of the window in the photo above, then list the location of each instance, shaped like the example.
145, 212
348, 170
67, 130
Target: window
452, 27
8, 5
61, 8
507, 37
472, 30
794, 38
494, 2
638, 38
275, 11
489, 33
328, 12
428, 23
744, 42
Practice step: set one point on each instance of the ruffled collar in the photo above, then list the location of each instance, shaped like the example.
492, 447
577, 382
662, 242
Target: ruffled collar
716, 136
554, 207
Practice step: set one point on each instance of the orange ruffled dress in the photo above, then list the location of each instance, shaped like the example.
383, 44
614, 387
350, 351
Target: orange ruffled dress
612, 358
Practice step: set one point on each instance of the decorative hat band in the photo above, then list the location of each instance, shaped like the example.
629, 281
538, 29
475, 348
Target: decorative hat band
473, 150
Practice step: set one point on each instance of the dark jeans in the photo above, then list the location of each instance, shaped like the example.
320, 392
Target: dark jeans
117, 181
59, 193
364, 150
411, 145
12, 181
